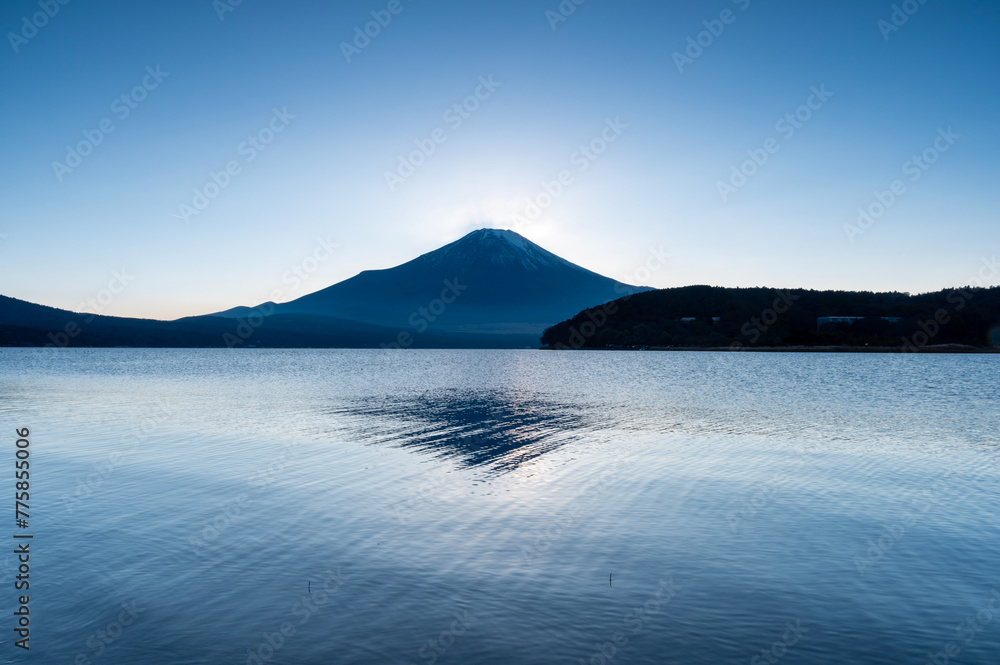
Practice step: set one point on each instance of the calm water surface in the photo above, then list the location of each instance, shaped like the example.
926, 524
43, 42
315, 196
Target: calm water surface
506, 507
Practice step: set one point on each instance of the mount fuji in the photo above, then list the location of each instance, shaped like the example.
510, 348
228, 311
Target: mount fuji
490, 281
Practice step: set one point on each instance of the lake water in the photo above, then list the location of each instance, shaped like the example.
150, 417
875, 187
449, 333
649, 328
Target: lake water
505, 507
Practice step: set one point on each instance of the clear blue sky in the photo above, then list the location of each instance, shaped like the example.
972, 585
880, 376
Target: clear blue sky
657, 185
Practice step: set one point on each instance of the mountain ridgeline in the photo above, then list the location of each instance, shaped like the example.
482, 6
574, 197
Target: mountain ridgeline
495, 289
716, 317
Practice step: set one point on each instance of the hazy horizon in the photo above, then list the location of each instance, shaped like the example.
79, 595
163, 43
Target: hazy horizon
298, 275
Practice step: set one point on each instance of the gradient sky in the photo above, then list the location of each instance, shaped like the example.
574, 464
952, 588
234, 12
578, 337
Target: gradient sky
656, 186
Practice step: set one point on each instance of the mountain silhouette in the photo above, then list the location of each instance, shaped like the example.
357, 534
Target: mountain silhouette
489, 281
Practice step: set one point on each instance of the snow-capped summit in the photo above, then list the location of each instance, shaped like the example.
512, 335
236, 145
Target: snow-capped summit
497, 246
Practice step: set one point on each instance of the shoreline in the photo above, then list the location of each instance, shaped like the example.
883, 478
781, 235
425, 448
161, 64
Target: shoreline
936, 348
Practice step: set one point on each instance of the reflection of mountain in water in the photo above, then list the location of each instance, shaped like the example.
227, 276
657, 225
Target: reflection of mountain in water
500, 430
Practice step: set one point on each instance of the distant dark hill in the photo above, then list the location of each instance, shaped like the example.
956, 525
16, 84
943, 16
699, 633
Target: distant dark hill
715, 317
27, 324
489, 281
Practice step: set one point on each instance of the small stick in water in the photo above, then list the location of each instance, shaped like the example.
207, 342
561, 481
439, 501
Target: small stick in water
609, 579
